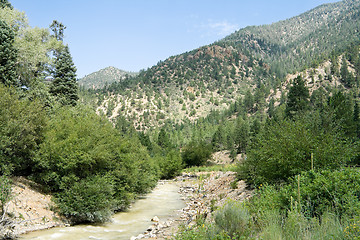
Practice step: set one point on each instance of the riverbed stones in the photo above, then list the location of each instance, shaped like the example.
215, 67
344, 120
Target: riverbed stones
155, 219
202, 196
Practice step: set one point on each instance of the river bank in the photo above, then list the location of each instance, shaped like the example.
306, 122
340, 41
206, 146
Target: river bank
203, 193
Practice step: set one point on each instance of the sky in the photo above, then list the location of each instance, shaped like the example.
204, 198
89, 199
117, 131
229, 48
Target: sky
136, 34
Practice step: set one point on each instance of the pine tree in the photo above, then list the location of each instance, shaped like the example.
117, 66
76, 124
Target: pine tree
8, 55
298, 98
64, 85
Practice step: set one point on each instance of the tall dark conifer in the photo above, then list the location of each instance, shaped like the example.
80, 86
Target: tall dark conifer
64, 85
8, 55
298, 98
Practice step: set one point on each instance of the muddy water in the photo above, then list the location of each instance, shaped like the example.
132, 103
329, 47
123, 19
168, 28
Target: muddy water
163, 202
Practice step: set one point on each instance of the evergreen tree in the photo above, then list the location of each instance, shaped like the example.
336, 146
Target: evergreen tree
298, 98
8, 55
242, 135
64, 85
163, 139
356, 118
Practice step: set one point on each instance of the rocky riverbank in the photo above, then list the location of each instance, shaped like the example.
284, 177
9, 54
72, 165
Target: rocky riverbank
28, 210
203, 193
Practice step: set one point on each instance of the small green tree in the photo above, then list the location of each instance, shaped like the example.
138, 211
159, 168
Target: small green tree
196, 153
64, 85
242, 135
298, 98
163, 139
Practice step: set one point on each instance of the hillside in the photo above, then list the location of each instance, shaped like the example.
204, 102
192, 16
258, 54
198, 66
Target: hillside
259, 60
104, 76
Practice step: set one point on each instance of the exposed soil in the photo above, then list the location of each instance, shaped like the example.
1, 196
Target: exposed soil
30, 209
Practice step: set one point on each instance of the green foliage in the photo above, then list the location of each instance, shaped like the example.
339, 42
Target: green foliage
72, 152
64, 85
298, 98
88, 200
334, 191
5, 192
196, 153
284, 149
5, 4
22, 124
234, 219
163, 139
170, 165
8, 55
352, 231
318, 195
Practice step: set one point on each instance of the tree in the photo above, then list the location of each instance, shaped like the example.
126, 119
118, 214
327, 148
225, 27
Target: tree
286, 148
64, 85
5, 4
298, 98
22, 123
163, 139
8, 55
196, 153
58, 29
242, 135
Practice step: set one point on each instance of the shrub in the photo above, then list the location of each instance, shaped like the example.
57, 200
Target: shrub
234, 219
326, 191
22, 124
73, 153
284, 149
89, 200
171, 165
196, 153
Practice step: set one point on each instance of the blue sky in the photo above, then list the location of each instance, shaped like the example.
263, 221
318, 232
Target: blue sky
136, 34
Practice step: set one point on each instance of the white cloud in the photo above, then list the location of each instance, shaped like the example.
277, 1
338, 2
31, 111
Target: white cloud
222, 28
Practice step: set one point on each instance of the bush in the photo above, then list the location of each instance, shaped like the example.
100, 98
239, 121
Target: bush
196, 153
284, 150
89, 200
233, 219
21, 131
336, 192
171, 165
73, 153
5, 192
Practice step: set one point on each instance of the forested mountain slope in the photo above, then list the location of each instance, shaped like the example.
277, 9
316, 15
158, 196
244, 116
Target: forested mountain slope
104, 76
254, 60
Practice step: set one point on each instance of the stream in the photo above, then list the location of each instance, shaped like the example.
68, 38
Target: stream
163, 202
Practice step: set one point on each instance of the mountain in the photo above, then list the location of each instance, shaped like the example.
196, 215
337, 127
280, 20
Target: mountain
104, 76
255, 64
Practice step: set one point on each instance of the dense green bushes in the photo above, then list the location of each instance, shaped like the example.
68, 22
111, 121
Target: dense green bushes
284, 148
22, 125
325, 205
196, 153
84, 151
89, 200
